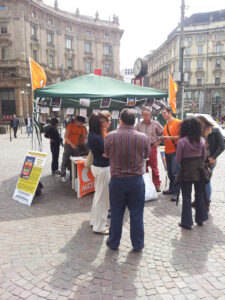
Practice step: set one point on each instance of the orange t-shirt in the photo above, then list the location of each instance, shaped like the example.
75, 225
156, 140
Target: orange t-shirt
76, 134
174, 129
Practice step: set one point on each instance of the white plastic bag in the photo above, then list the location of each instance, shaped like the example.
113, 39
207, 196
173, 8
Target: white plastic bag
150, 191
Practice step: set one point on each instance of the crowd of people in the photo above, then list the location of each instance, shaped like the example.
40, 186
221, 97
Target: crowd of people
118, 165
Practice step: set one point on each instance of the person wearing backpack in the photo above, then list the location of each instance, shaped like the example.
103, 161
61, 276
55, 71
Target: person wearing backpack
55, 141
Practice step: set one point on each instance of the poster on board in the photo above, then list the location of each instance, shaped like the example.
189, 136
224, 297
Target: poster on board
56, 102
83, 112
29, 177
115, 114
70, 111
105, 103
85, 102
131, 102
44, 110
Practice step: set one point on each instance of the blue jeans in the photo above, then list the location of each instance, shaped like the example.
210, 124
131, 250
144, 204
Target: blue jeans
29, 130
208, 186
172, 170
201, 210
127, 192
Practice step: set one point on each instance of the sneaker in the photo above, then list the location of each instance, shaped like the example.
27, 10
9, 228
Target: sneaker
138, 249
56, 173
63, 179
167, 192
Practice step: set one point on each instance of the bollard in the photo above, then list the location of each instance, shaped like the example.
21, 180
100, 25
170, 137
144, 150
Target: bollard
10, 136
21, 129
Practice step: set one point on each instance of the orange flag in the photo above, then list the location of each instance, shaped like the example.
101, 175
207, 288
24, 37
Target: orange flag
172, 93
38, 76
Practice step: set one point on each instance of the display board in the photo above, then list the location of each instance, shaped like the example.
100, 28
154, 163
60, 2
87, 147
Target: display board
29, 177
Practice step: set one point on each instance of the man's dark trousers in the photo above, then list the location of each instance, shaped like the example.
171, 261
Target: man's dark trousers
55, 156
127, 192
15, 131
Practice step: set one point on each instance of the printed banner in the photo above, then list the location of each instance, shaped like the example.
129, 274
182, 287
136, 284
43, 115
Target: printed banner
56, 102
86, 181
131, 102
105, 103
83, 112
29, 177
44, 110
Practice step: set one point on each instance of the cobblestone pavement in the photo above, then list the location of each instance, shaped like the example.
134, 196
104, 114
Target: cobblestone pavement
48, 251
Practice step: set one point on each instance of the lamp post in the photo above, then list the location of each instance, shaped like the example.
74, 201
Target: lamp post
181, 66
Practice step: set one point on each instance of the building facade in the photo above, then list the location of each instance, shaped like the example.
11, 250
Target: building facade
127, 75
204, 62
65, 44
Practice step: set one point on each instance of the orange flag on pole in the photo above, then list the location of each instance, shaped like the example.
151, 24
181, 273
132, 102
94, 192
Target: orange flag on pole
37, 74
172, 93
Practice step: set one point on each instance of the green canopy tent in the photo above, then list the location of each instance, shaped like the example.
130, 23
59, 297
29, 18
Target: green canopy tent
96, 87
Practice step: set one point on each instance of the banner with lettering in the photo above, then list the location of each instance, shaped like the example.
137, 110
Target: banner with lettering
86, 181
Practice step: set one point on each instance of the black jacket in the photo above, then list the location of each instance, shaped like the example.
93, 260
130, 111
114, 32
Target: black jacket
216, 143
53, 134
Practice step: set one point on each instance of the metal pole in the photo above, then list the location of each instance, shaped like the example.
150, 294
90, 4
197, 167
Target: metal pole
181, 66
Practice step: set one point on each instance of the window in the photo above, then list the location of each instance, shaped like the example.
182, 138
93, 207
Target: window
87, 47
3, 7
187, 51
200, 50
199, 64
218, 48
88, 33
33, 32
50, 38
106, 50
7, 97
106, 36
219, 36
50, 61
35, 55
106, 68
200, 38
50, 22
188, 39
33, 14
196, 95
68, 28
70, 63
4, 53
68, 43
199, 81
88, 67
218, 62
4, 30
187, 64
217, 80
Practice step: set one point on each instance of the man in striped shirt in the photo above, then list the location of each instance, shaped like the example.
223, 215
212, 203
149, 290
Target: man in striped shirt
126, 149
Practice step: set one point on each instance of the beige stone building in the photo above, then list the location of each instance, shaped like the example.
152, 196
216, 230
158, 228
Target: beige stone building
65, 44
204, 62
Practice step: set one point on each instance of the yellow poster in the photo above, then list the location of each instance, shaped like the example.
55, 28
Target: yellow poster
29, 177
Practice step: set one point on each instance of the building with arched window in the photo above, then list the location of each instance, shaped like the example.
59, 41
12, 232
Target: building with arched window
204, 62
65, 44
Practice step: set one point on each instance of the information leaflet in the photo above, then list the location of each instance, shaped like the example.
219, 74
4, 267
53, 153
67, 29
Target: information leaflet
29, 177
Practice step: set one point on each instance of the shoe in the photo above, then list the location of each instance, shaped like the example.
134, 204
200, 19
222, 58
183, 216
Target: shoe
174, 198
193, 204
112, 248
184, 226
199, 223
167, 192
158, 189
63, 179
56, 173
138, 250
105, 232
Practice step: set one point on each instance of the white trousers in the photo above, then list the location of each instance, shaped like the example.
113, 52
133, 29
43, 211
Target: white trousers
100, 205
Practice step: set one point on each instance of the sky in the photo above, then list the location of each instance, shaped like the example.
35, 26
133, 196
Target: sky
146, 23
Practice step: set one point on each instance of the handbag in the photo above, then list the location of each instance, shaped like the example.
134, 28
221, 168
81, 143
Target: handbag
89, 160
206, 172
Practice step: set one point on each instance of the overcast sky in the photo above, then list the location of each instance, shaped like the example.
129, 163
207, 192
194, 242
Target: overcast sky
146, 23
